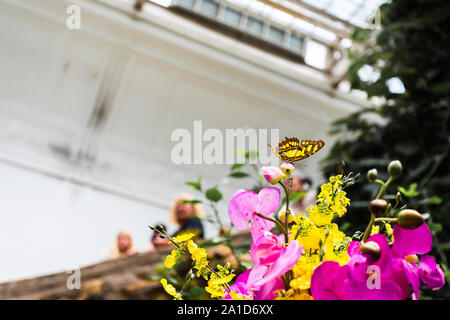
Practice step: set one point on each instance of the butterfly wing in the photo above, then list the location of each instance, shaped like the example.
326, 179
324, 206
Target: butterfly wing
292, 150
288, 148
307, 149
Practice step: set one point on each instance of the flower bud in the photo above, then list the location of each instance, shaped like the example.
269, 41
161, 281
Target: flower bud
371, 248
282, 215
409, 219
287, 168
273, 175
412, 258
378, 207
372, 175
398, 197
395, 168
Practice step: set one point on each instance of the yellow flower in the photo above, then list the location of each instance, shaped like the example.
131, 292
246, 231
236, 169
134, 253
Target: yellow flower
191, 246
293, 295
183, 237
375, 230
331, 200
305, 296
170, 289
169, 262
389, 229
219, 281
239, 296
199, 253
320, 214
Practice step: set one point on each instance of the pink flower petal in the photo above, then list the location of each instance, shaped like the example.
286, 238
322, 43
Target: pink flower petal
431, 273
327, 281
259, 226
411, 241
288, 258
241, 208
269, 200
412, 273
384, 261
389, 290
353, 248
273, 175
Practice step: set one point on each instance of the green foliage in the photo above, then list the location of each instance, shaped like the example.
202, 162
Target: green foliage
213, 194
411, 192
238, 174
413, 46
197, 185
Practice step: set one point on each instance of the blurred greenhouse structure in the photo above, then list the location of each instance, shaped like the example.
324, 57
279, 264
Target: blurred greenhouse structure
86, 114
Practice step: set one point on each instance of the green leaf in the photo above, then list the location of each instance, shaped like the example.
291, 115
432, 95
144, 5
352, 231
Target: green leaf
345, 226
237, 166
249, 154
238, 174
443, 247
196, 291
197, 185
432, 200
154, 277
193, 202
436, 227
411, 192
213, 194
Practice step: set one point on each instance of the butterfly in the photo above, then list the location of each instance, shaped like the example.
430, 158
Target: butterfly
292, 150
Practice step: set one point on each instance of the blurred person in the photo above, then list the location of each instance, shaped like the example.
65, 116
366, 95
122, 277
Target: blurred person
302, 183
123, 246
156, 241
187, 216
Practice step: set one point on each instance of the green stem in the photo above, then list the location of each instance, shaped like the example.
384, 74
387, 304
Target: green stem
287, 191
383, 187
286, 215
369, 228
272, 220
385, 219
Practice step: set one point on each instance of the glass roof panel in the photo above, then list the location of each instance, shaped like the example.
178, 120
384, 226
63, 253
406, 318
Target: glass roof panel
354, 11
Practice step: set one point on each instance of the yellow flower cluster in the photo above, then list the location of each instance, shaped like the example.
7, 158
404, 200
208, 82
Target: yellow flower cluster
175, 254
330, 201
321, 239
170, 289
218, 282
387, 230
200, 257
292, 294
239, 296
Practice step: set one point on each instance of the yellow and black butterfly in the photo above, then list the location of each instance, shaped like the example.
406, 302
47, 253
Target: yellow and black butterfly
292, 150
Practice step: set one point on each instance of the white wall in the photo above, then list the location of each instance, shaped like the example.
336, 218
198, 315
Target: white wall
69, 186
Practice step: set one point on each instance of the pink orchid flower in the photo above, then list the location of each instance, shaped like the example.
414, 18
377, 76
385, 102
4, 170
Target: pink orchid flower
431, 273
407, 244
245, 205
398, 269
272, 259
350, 282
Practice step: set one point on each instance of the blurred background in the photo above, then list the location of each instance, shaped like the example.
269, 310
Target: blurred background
87, 111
